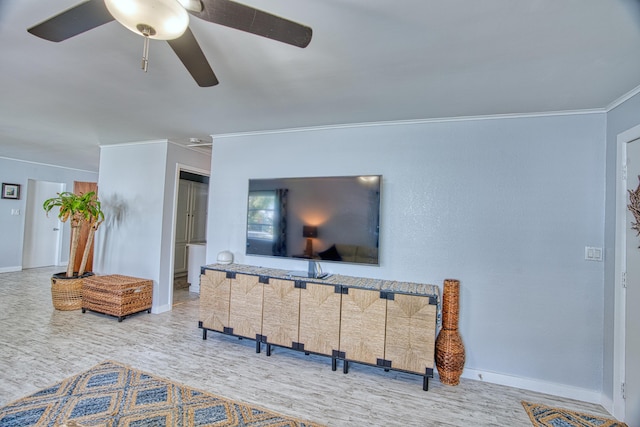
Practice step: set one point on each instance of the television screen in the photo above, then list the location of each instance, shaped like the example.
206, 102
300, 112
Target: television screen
333, 219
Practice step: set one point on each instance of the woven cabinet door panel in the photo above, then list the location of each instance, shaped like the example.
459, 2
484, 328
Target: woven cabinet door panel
362, 328
215, 290
281, 312
245, 306
320, 318
411, 330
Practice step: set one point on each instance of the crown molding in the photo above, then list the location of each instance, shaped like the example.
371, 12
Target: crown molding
412, 122
128, 144
623, 99
47, 164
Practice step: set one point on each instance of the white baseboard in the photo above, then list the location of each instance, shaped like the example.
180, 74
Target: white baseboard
10, 269
161, 309
555, 389
608, 405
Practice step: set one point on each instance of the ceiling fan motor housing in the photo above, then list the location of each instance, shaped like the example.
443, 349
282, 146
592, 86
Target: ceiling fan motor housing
157, 19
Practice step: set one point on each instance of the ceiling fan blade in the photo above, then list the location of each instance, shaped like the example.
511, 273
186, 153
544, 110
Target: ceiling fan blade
72, 22
188, 50
254, 21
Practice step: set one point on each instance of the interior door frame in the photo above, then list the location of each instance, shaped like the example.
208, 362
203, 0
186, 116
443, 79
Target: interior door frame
620, 259
179, 168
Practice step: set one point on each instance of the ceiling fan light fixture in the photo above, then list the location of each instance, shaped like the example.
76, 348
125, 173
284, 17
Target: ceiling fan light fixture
192, 5
167, 18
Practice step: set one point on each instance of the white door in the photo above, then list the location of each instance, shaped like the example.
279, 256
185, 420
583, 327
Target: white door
199, 197
42, 233
182, 227
632, 322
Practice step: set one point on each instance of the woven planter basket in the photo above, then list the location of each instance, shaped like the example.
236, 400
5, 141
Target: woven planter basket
450, 354
66, 292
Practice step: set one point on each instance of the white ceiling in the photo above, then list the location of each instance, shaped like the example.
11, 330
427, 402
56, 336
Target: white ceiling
369, 60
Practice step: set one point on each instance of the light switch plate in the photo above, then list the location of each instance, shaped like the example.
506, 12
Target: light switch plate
592, 253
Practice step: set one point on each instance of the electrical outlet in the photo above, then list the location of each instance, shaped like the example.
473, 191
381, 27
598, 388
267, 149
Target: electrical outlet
15, 212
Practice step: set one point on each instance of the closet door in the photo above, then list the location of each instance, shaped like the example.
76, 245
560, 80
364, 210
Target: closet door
198, 212
182, 226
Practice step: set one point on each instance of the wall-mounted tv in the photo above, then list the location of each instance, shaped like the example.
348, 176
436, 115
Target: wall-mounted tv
334, 219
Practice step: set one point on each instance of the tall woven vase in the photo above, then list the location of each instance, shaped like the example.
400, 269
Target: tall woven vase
449, 348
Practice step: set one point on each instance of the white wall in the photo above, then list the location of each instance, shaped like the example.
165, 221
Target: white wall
131, 183
137, 188
506, 205
19, 172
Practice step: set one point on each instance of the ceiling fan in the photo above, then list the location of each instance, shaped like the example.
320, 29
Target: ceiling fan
169, 20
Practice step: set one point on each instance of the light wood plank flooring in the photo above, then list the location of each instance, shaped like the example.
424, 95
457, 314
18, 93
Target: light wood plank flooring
40, 346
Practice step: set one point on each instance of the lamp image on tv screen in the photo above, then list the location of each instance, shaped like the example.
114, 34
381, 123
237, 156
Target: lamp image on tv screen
333, 219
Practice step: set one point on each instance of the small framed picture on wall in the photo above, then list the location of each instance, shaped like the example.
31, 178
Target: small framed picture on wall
10, 191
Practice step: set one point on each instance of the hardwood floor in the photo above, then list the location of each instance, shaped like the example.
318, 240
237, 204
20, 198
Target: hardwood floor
40, 346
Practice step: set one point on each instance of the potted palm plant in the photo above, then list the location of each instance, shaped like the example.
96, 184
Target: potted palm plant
79, 209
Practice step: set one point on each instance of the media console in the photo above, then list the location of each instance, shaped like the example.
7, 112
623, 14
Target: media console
382, 323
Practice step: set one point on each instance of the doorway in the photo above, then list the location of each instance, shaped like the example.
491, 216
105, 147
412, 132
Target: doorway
626, 393
631, 391
42, 233
190, 225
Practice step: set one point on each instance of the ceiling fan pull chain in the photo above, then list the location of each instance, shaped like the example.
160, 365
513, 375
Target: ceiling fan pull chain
146, 31
145, 53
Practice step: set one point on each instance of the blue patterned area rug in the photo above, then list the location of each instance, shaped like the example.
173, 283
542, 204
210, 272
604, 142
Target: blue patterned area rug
546, 416
111, 394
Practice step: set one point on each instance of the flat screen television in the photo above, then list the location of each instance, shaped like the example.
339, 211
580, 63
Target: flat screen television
335, 219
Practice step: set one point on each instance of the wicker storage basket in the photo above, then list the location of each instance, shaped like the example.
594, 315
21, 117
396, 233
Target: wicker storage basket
66, 293
117, 295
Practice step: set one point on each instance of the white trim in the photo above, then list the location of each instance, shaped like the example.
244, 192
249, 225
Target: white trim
555, 389
126, 144
161, 309
607, 404
187, 168
412, 122
10, 269
174, 219
47, 164
624, 98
